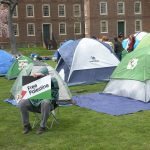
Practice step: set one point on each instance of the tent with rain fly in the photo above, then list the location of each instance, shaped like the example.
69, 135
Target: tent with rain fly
64, 92
6, 60
17, 66
132, 76
86, 61
56, 55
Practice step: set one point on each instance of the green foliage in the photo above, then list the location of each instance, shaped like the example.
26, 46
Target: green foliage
79, 128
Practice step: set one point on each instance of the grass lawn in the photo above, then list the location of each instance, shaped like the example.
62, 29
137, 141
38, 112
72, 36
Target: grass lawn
79, 128
39, 50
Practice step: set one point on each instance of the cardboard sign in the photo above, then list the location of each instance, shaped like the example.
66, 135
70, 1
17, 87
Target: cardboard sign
36, 88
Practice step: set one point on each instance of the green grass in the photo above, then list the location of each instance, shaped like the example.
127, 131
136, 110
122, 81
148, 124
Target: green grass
37, 50
79, 128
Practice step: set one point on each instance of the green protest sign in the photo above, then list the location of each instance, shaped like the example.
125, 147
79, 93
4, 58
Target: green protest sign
38, 89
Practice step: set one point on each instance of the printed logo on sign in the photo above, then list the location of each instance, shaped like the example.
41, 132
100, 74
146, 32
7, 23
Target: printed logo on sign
93, 59
23, 93
132, 63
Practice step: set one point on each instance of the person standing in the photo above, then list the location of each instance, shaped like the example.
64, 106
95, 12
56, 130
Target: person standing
105, 39
118, 48
131, 43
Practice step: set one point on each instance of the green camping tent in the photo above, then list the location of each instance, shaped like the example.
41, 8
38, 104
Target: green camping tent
132, 76
64, 92
135, 65
17, 66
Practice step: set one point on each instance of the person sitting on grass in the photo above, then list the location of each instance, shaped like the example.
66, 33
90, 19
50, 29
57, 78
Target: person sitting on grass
43, 106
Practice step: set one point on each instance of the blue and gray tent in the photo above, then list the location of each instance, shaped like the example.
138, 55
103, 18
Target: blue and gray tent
56, 55
6, 60
86, 61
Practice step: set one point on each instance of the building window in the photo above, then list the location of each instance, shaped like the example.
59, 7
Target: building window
137, 7
104, 26
61, 10
62, 28
120, 8
15, 12
138, 25
46, 10
103, 8
86, 9
77, 28
0, 31
30, 29
16, 29
86, 28
30, 10
77, 10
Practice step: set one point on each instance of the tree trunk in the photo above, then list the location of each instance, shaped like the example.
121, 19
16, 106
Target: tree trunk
11, 33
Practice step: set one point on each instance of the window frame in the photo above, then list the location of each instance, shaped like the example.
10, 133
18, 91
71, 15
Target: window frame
123, 8
28, 29
17, 29
65, 29
79, 23
15, 16
101, 27
0, 31
140, 7
106, 8
140, 21
79, 10
64, 15
86, 28
27, 15
48, 10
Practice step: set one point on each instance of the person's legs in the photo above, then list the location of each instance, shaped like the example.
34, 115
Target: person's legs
45, 111
25, 106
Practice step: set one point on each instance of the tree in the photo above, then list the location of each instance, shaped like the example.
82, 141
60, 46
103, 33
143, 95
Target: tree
3, 22
9, 7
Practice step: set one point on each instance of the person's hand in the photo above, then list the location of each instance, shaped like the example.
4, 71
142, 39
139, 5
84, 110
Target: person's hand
37, 75
19, 96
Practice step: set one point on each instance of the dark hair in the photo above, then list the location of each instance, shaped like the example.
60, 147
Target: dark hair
94, 37
120, 35
115, 39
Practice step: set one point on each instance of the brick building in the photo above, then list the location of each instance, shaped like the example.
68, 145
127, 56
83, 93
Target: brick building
110, 17
36, 22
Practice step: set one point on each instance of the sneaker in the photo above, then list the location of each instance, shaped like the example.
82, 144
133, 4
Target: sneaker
26, 129
41, 130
